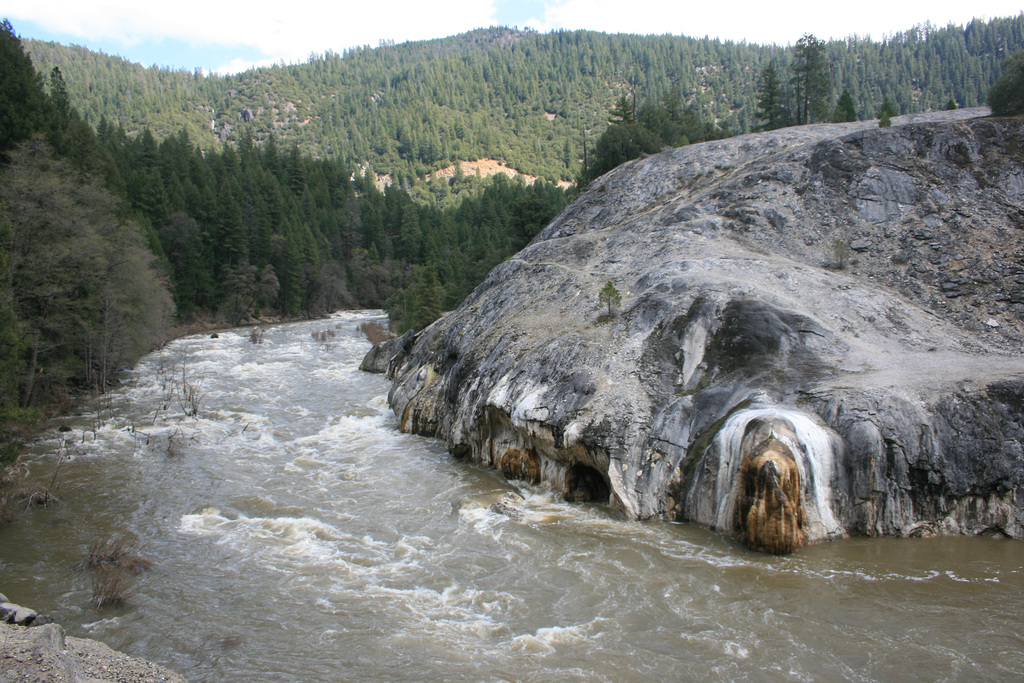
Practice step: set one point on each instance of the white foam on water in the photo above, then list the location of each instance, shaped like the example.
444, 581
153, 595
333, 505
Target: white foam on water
304, 463
452, 613
545, 641
211, 520
346, 429
736, 650
483, 521
296, 542
336, 372
102, 624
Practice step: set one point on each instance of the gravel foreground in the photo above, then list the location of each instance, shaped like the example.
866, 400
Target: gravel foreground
45, 653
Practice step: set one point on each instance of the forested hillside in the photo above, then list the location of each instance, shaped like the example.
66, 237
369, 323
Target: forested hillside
100, 231
517, 96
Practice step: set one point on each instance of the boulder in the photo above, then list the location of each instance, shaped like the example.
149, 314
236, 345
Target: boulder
896, 410
11, 613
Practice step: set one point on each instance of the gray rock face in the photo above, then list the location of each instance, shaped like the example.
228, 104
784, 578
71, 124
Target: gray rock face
896, 386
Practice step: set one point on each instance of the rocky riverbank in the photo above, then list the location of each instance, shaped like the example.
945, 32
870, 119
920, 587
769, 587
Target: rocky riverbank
34, 648
820, 334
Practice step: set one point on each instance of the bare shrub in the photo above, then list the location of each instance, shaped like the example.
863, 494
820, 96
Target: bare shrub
113, 562
190, 394
11, 493
117, 550
46, 496
111, 589
376, 332
42, 497
177, 440
324, 336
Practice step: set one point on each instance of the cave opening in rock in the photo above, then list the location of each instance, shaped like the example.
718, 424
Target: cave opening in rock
584, 483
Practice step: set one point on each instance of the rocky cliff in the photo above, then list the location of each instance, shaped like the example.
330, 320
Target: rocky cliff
820, 334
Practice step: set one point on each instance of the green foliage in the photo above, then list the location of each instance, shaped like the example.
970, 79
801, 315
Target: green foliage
771, 109
1006, 96
886, 113
24, 107
845, 110
887, 109
810, 80
610, 296
86, 296
951, 105
423, 298
415, 107
619, 144
12, 344
653, 127
624, 110
12, 348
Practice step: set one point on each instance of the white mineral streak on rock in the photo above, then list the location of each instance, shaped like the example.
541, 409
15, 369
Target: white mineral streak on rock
693, 348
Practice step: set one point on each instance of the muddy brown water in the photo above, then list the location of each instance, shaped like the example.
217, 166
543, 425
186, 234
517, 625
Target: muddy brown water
296, 534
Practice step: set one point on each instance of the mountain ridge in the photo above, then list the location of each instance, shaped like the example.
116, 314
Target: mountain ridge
412, 108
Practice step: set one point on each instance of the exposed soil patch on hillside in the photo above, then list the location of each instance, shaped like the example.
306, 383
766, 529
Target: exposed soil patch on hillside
486, 168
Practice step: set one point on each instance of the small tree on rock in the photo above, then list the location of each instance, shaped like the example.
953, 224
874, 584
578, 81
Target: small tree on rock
845, 110
886, 113
842, 252
610, 296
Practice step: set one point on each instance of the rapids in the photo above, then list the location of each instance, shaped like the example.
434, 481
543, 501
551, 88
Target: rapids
296, 534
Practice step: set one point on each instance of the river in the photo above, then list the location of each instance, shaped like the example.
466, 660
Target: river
296, 534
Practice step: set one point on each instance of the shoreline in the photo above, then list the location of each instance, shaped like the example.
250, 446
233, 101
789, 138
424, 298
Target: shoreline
47, 653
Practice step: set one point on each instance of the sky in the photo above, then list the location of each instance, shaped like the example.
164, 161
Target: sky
228, 37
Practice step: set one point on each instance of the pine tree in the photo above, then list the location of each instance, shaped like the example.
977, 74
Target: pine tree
811, 80
770, 109
886, 113
845, 111
424, 297
24, 107
624, 111
610, 295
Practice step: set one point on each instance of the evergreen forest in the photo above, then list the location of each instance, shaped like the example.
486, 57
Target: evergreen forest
526, 98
